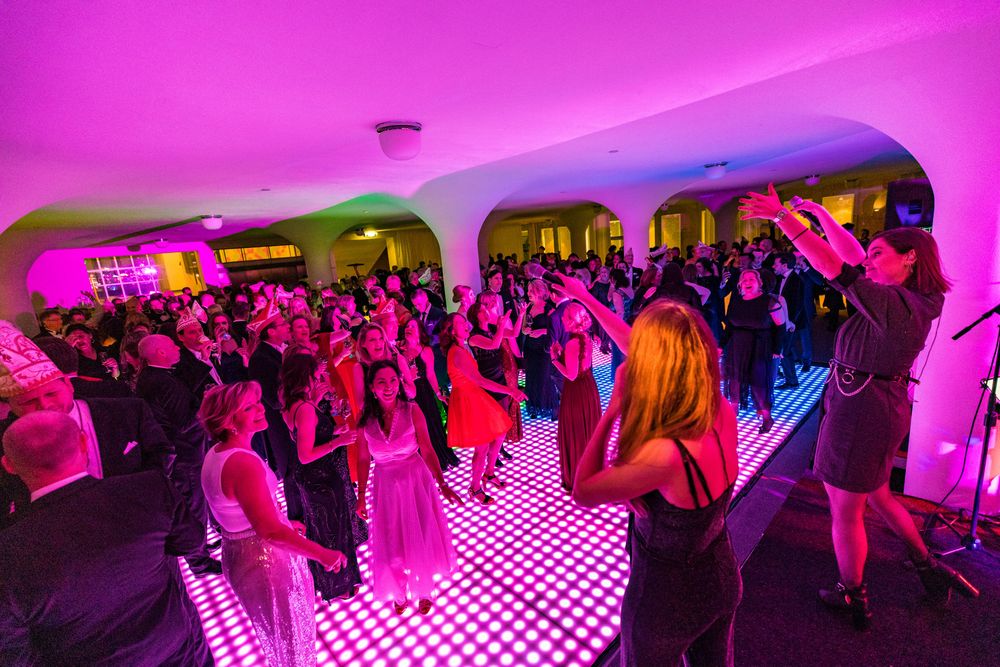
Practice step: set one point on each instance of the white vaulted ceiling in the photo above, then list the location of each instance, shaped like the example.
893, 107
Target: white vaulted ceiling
116, 117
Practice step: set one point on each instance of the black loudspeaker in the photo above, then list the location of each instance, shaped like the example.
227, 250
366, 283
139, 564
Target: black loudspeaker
909, 203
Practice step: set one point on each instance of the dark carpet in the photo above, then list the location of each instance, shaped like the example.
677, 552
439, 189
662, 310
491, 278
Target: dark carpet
782, 622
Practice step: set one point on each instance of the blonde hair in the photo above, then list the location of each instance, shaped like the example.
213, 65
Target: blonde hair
672, 376
221, 403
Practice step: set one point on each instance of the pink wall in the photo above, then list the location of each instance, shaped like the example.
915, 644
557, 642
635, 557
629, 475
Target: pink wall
57, 276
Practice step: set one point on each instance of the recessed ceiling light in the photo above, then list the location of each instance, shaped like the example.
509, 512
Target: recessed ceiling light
613, 150
265, 189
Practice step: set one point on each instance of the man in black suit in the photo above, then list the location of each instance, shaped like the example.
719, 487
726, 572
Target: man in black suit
176, 410
200, 363
122, 435
430, 316
790, 291
274, 333
90, 574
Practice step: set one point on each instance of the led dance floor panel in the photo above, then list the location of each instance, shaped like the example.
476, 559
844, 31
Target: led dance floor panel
539, 580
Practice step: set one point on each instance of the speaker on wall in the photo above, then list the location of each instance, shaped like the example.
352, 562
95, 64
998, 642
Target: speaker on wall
909, 203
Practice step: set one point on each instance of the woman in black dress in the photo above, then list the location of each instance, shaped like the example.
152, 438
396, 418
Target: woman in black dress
485, 340
542, 391
754, 322
328, 499
675, 466
417, 350
866, 407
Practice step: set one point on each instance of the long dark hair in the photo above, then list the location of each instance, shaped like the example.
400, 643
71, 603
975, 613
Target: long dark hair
446, 335
928, 275
297, 373
373, 409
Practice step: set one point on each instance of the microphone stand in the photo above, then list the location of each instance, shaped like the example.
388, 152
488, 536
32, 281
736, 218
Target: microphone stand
970, 541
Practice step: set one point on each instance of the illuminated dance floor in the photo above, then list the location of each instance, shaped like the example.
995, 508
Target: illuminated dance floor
539, 580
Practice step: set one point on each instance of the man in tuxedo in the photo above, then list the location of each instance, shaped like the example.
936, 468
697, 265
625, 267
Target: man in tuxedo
50, 324
90, 569
200, 362
790, 291
273, 334
430, 316
176, 410
122, 435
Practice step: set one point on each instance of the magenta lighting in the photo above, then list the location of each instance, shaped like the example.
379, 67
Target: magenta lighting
211, 222
399, 140
812, 180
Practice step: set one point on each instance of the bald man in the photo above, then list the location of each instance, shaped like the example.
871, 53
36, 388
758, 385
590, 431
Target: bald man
175, 408
90, 573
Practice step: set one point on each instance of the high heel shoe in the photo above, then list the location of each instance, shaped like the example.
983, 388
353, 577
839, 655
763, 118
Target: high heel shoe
939, 580
424, 607
399, 607
504, 453
481, 496
495, 481
765, 426
853, 600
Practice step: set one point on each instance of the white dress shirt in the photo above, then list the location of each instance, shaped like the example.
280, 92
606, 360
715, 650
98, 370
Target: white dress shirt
81, 415
66, 481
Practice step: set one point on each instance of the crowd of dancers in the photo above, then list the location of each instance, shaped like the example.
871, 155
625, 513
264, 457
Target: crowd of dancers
356, 396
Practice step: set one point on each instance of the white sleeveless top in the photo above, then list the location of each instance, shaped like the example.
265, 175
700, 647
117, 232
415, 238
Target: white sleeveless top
228, 512
401, 441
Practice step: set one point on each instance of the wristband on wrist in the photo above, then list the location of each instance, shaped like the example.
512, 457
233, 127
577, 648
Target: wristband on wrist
780, 215
804, 230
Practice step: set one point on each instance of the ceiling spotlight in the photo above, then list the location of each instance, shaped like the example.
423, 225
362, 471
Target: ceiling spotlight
211, 222
161, 243
399, 140
715, 171
370, 233
812, 179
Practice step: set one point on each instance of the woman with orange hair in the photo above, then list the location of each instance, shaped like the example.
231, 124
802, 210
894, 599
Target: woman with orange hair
675, 466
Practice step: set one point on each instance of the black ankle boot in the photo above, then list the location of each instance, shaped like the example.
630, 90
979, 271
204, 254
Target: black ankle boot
939, 580
853, 600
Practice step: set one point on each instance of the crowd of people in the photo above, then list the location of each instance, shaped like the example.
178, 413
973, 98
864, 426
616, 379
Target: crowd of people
355, 397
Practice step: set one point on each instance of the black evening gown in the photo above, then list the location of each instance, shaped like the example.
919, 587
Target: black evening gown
541, 390
748, 361
330, 505
685, 583
428, 404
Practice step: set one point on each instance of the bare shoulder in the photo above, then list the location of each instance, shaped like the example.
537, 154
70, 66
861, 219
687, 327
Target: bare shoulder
658, 452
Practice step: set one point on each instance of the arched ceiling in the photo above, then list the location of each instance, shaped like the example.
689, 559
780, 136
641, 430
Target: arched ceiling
119, 117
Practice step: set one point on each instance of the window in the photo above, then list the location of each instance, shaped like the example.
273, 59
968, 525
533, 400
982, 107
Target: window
257, 254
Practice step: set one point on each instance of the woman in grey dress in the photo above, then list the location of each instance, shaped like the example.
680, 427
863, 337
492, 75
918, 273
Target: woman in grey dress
867, 410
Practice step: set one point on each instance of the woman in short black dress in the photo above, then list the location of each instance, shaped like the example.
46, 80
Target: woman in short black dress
676, 466
416, 350
867, 410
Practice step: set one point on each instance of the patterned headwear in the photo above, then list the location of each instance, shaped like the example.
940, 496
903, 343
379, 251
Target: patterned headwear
187, 320
22, 365
265, 317
387, 307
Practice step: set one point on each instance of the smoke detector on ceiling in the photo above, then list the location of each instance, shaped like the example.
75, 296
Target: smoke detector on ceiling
211, 222
400, 140
715, 171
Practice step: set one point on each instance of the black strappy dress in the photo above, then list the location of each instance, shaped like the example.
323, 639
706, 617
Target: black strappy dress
685, 583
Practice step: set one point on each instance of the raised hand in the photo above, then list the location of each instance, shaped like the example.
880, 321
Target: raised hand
765, 206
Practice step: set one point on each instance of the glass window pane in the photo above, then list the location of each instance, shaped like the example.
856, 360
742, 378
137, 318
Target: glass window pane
281, 251
232, 255
256, 254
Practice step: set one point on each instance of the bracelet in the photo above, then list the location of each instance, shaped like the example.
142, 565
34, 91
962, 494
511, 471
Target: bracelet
804, 230
780, 215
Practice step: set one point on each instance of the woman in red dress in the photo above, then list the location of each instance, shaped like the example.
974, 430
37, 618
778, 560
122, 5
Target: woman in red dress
474, 419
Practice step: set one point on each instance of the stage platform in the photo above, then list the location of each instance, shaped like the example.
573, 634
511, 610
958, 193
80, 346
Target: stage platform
539, 580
